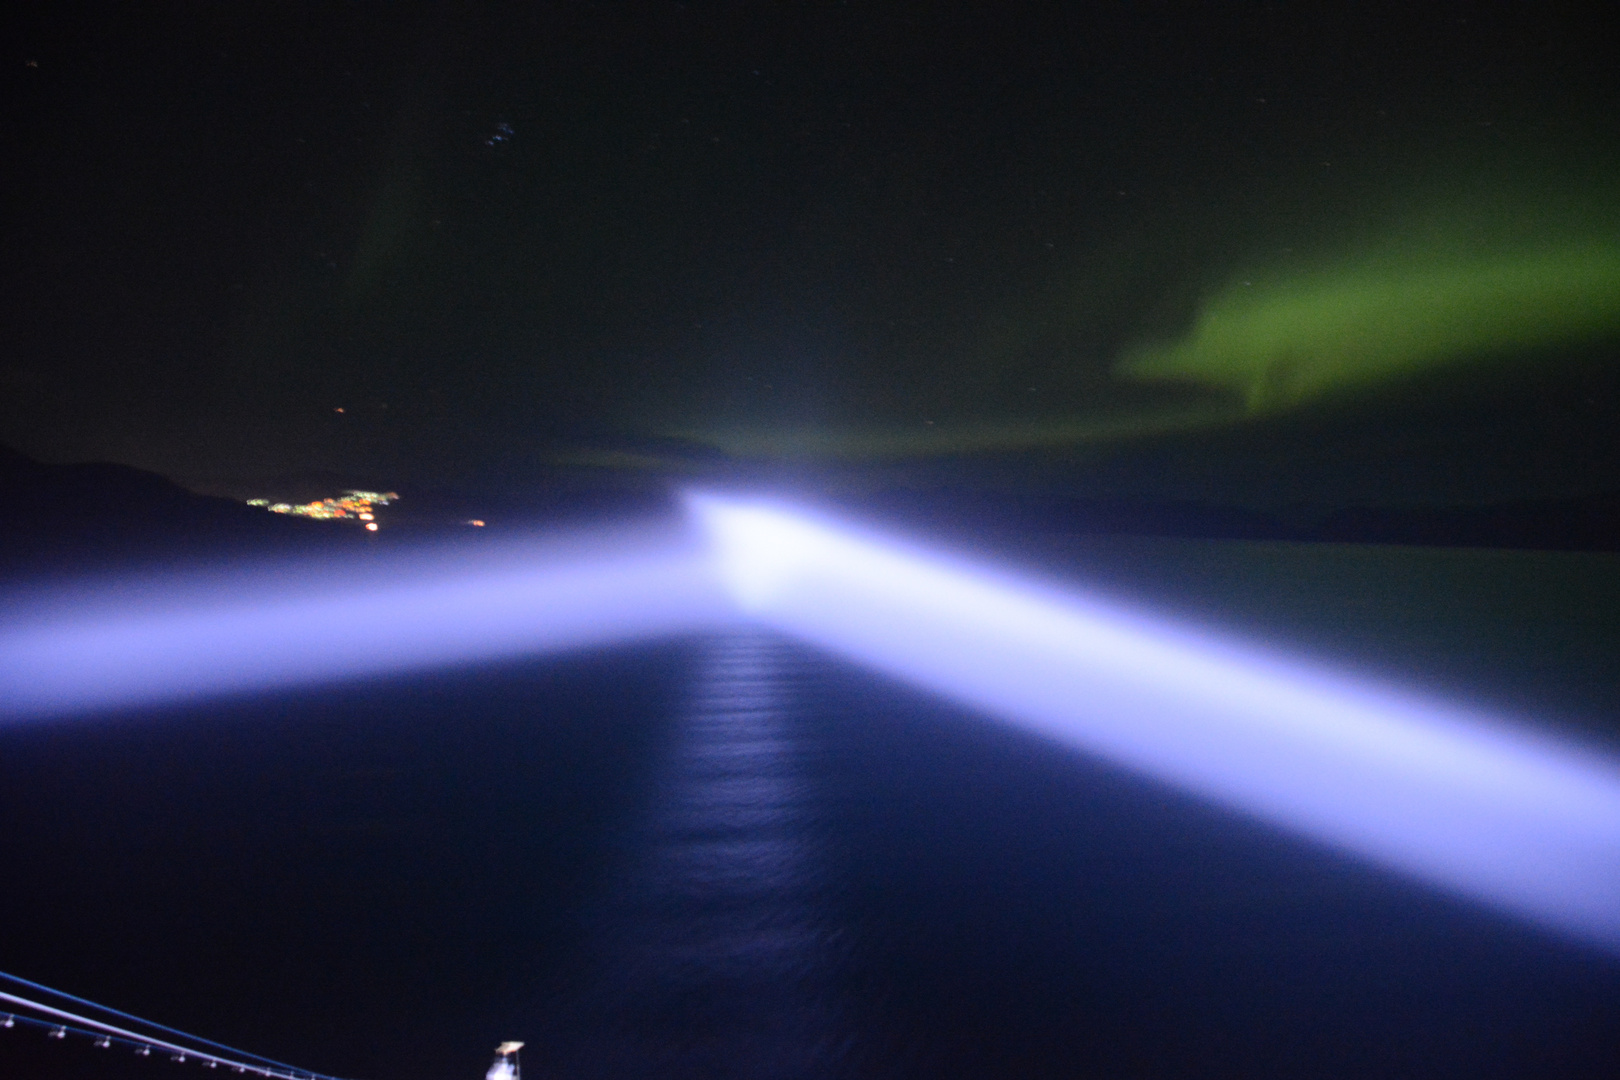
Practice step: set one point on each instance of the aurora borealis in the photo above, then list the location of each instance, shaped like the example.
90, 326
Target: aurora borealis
466, 251
1277, 343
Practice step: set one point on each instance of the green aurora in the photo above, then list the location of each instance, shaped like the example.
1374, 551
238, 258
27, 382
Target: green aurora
1451, 290
1279, 343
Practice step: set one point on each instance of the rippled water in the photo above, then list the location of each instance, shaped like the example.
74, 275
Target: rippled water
718, 949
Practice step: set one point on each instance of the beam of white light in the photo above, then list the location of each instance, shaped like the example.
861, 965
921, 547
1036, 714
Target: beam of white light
1516, 820
177, 640
1504, 816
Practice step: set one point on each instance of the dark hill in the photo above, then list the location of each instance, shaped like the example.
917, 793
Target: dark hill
1588, 523
1580, 523
98, 515
66, 518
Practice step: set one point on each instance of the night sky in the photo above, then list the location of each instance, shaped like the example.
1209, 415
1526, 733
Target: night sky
500, 237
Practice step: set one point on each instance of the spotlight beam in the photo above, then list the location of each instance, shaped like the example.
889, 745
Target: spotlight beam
1520, 822
253, 631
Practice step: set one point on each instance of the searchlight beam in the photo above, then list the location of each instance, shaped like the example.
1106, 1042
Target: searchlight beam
204, 637
1519, 821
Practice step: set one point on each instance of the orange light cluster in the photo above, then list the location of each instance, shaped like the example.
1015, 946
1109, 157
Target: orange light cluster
356, 505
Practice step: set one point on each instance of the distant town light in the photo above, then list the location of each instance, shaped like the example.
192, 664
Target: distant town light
356, 504
477, 522
371, 526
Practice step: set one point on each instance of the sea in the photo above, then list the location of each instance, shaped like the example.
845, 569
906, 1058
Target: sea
730, 855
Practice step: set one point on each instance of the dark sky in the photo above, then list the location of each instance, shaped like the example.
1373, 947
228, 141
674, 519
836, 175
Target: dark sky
494, 235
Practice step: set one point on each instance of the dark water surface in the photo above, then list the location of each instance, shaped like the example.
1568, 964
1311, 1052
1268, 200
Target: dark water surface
732, 857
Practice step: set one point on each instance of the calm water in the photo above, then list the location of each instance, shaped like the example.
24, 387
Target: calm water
837, 877
732, 857
718, 946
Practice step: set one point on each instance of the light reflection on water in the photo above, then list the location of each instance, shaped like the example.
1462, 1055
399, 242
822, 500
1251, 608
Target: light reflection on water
719, 956
833, 876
